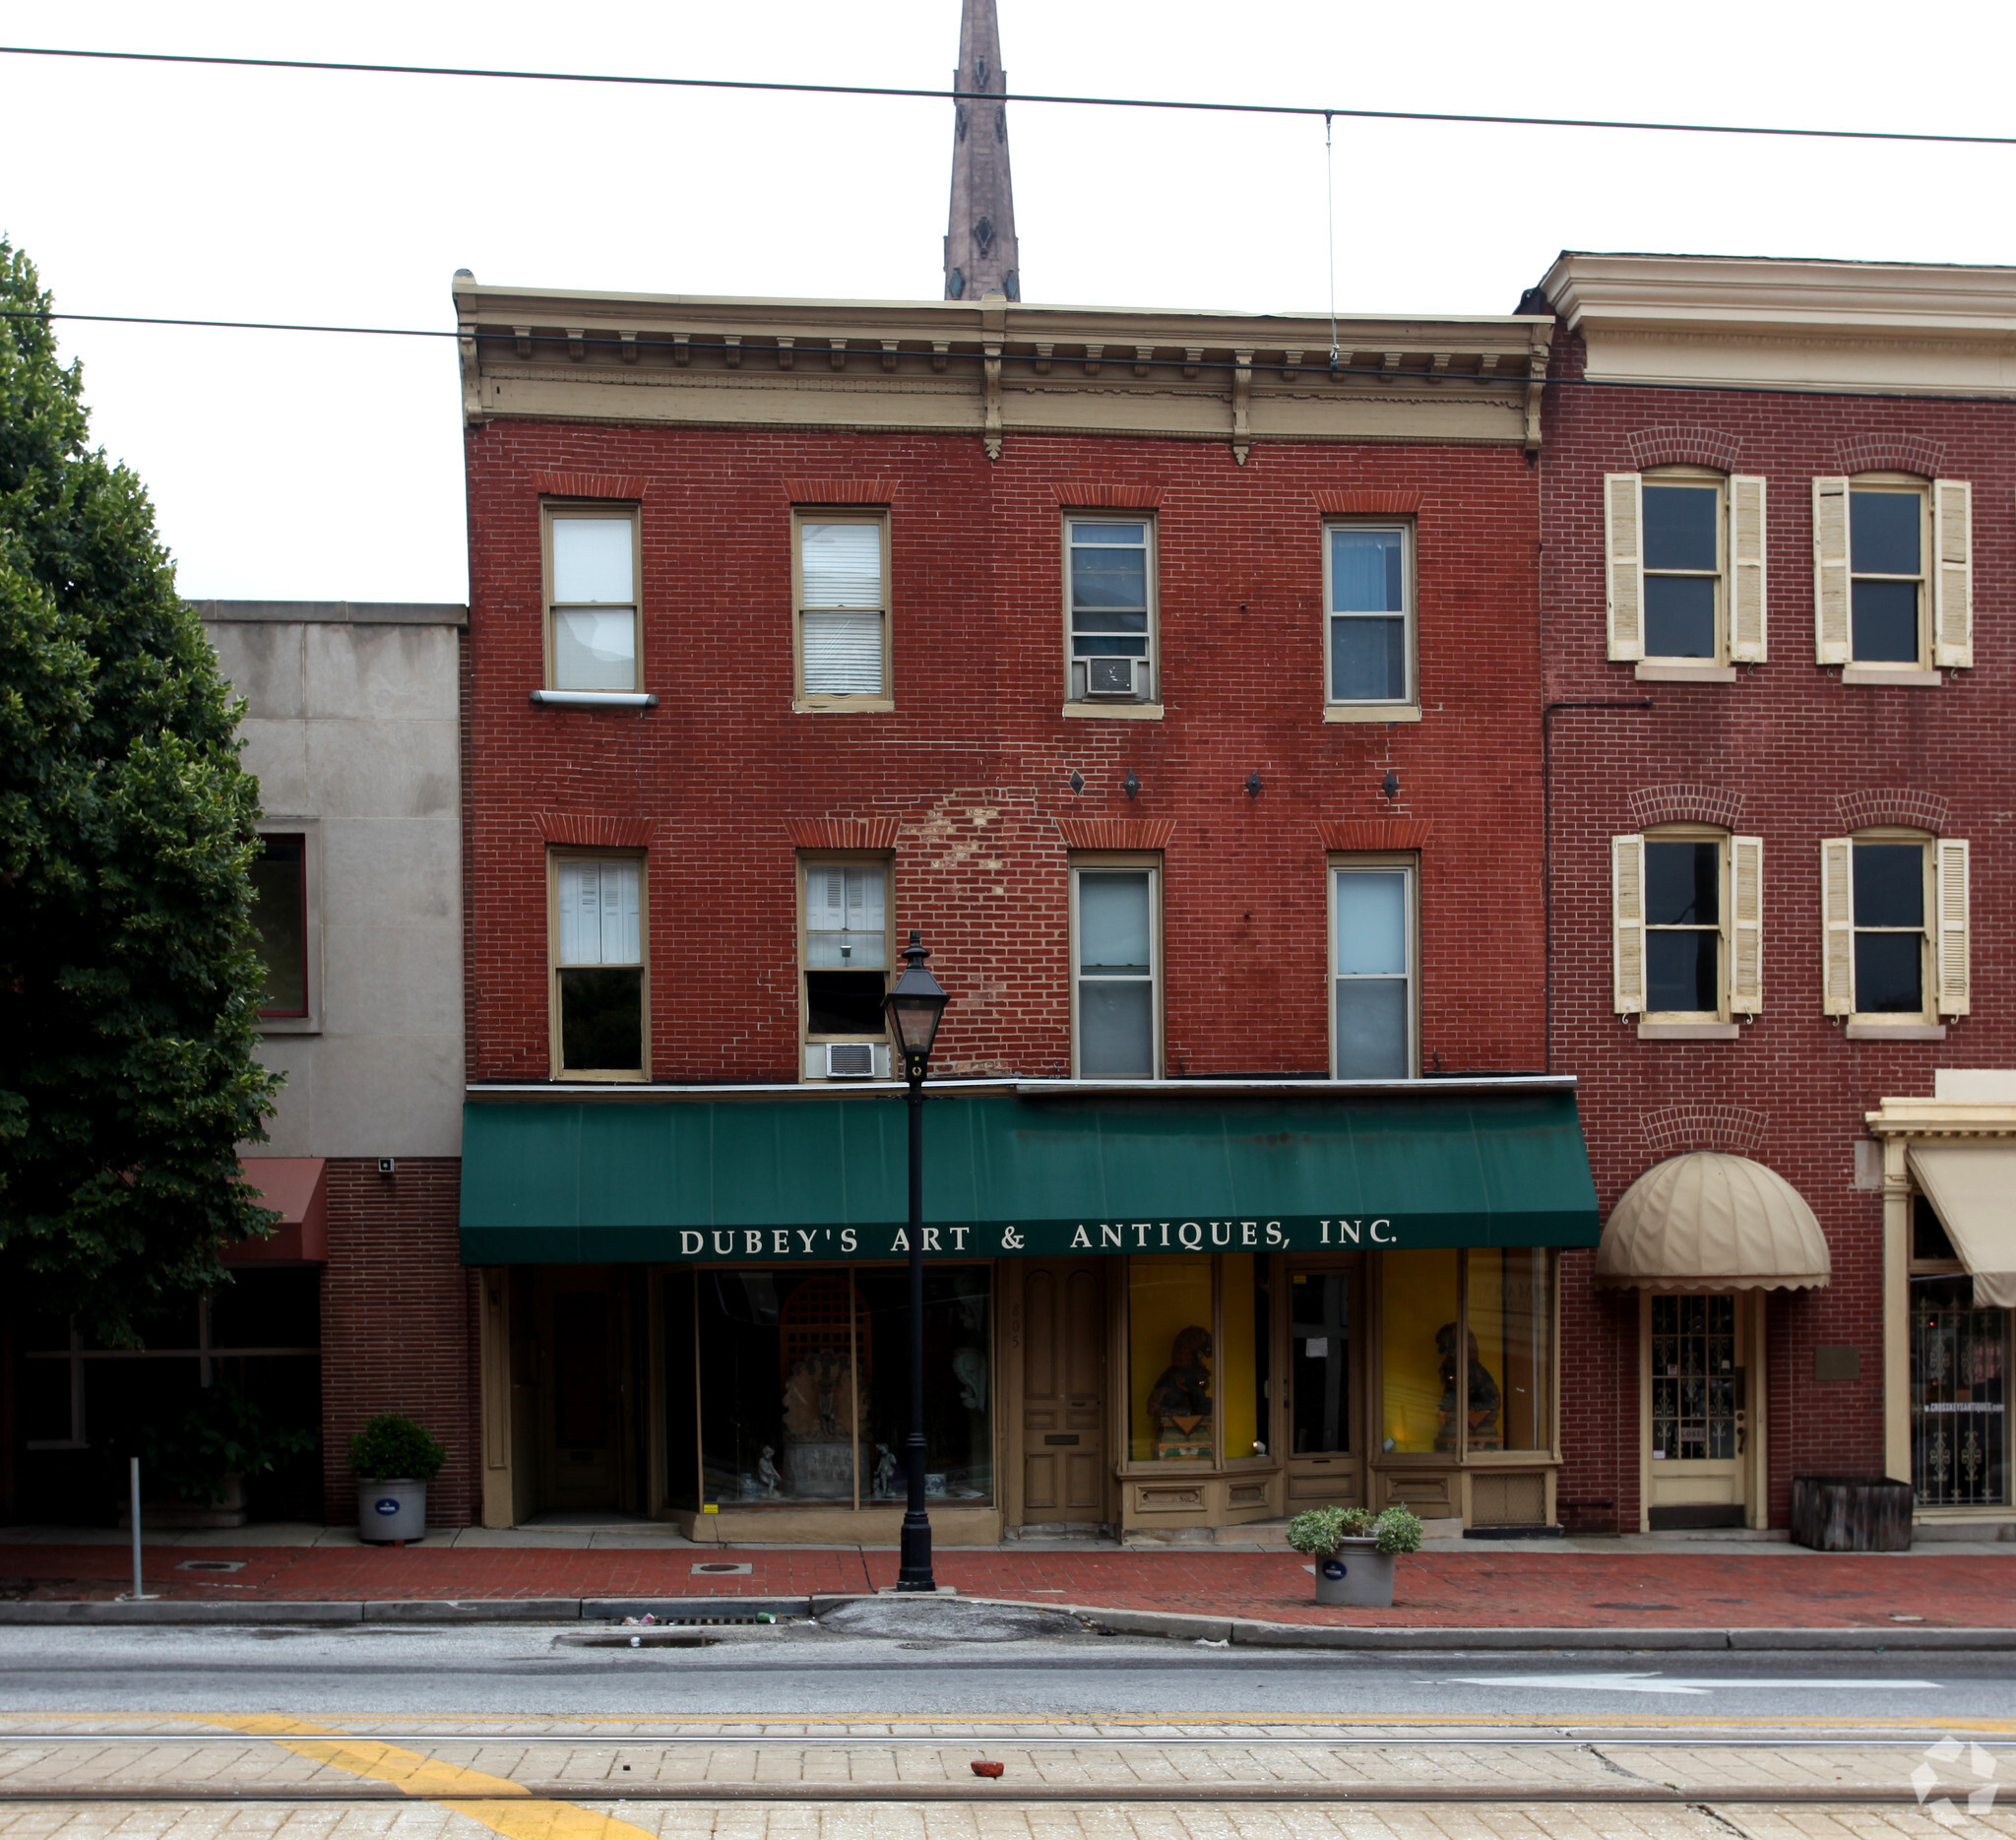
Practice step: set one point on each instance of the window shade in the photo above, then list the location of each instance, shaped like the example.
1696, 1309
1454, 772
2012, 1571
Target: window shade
592, 558
843, 653
600, 919
845, 928
841, 566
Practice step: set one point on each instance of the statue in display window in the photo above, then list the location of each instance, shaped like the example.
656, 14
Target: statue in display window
1484, 1431
1180, 1402
818, 1427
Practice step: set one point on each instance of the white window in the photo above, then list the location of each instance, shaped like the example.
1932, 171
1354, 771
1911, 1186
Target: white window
1372, 972
1894, 916
842, 569
1688, 906
1116, 973
1110, 597
1893, 572
1368, 595
598, 980
1685, 561
592, 599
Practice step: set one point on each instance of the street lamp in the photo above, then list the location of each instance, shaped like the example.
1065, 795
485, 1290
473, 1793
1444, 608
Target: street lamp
912, 1009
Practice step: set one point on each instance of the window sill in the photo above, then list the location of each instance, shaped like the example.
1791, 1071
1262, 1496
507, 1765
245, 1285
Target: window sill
1904, 677
1371, 712
1117, 711
580, 1078
841, 705
288, 1025
1688, 1032
1896, 1031
1686, 674
595, 699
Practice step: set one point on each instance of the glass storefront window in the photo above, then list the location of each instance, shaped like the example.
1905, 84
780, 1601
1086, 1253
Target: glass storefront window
1417, 1327
1243, 1369
958, 1411
1171, 1358
1509, 1311
1319, 1360
1958, 1395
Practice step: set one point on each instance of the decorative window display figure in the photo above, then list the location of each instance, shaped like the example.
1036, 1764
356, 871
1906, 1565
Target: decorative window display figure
1180, 1402
1484, 1433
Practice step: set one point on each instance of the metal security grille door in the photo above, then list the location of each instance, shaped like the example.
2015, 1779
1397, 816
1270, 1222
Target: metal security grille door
1959, 1396
1695, 1353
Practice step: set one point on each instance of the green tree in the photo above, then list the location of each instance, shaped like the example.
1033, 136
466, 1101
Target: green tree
129, 980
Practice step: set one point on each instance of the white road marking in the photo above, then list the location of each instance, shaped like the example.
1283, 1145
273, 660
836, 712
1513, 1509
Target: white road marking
1672, 1683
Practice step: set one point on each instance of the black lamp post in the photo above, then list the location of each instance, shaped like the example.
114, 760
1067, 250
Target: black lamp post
912, 1008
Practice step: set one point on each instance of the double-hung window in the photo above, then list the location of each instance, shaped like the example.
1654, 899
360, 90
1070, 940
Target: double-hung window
1894, 914
1684, 566
846, 969
1893, 574
1688, 903
1368, 595
1109, 596
841, 567
1116, 972
1373, 971
592, 569
598, 967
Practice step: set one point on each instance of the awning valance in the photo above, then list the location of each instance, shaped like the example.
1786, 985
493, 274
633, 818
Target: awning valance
815, 1177
1706, 1221
298, 1189
1973, 1189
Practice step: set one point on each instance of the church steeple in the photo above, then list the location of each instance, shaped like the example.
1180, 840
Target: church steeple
980, 245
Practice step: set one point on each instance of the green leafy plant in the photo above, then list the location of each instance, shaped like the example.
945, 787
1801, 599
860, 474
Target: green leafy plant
1320, 1532
1398, 1530
192, 1456
392, 1448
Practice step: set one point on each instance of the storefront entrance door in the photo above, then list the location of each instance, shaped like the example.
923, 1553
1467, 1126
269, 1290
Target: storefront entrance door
1064, 1467
584, 1405
1325, 1386
1703, 1364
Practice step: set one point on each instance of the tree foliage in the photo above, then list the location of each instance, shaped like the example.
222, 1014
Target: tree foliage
129, 982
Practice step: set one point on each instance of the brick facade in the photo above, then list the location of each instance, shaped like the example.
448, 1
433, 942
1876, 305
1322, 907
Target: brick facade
1791, 754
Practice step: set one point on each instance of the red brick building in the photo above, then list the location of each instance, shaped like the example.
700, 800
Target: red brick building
1779, 608
1183, 688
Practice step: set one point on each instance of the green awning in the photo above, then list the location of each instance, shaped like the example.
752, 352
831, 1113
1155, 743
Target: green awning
824, 1176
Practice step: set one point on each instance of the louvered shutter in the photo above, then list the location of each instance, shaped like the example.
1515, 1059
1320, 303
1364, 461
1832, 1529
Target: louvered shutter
1837, 926
1623, 527
839, 570
1953, 587
1951, 943
1831, 629
1746, 925
1627, 922
1746, 569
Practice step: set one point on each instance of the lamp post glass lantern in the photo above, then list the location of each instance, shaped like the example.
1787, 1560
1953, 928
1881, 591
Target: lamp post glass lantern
912, 1009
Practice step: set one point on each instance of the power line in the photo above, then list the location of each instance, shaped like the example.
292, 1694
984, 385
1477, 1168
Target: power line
974, 95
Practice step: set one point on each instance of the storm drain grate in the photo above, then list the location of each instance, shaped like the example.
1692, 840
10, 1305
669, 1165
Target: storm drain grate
211, 1564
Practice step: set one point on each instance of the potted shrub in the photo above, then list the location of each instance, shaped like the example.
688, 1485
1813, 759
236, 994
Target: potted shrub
195, 1462
1354, 1550
394, 1460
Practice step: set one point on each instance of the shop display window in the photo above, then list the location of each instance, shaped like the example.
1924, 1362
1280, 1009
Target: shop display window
1418, 1325
1958, 1377
1511, 1311
1197, 1351
958, 1411
1498, 1394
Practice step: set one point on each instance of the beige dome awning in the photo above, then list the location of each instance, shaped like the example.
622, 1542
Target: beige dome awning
1710, 1222
1973, 1189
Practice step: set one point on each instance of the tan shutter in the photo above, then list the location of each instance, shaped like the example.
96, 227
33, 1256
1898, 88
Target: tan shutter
1627, 911
1831, 630
1951, 943
1746, 925
1623, 527
1837, 925
1953, 588
1746, 569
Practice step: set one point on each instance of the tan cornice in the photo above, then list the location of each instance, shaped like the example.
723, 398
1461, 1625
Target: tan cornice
995, 369
1940, 1117
1760, 323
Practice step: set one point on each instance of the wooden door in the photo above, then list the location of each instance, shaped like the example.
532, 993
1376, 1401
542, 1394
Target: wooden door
1064, 1466
1325, 1388
583, 1413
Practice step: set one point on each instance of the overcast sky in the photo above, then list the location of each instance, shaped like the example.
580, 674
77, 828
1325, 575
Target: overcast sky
285, 465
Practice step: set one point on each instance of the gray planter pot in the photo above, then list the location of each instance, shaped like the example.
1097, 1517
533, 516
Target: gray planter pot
394, 1508
1357, 1573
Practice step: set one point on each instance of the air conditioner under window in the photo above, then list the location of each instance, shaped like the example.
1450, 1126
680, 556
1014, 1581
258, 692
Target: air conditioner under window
847, 1060
1111, 675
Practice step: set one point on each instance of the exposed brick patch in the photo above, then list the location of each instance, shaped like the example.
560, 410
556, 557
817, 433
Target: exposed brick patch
1697, 1126
1117, 832
1095, 494
1370, 833
803, 491
1924, 812
1368, 504
1686, 804
1892, 452
1680, 444
842, 833
625, 485
598, 832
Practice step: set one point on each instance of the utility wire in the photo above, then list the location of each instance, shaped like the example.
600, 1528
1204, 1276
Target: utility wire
976, 95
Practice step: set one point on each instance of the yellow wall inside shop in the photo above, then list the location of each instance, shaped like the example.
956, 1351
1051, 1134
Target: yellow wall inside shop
1238, 1366
1416, 1296
1165, 1297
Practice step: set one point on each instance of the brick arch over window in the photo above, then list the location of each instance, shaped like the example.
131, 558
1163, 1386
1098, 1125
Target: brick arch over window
1686, 804
1680, 444
1891, 453
1924, 812
1670, 1130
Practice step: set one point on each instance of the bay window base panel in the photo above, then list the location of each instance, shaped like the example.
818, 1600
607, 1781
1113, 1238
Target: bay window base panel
1197, 1502
877, 1526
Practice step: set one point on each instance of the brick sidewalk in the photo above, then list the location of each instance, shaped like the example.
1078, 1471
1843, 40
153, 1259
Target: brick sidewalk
1435, 1590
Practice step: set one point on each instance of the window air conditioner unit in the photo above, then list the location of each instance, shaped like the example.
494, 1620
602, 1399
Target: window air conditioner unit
1114, 676
847, 1060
